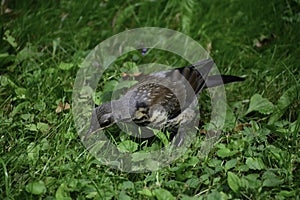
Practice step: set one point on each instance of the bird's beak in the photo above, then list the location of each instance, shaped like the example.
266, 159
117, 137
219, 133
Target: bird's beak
95, 128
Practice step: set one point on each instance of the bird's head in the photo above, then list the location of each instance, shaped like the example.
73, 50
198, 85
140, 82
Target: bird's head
102, 117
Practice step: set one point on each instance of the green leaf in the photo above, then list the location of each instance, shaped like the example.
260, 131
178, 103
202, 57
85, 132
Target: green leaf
127, 146
29, 51
124, 196
36, 188
139, 156
145, 192
20, 92
43, 127
31, 127
242, 168
230, 164
4, 55
271, 180
283, 194
230, 120
98, 145
260, 104
125, 84
186, 197
97, 97
62, 192
216, 195
86, 91
4, 80
27, 116
214, 163
233, 181
127, 185
33, 152
161, 136
110, 86
225, 152
255, 163
135, 57
162, 194
152, 165
10, 39
193, 182
19, 108
192, 161
131, 66
65, 66
251, 181
45, 144
40, 105
286, 99
70, 135
91, 194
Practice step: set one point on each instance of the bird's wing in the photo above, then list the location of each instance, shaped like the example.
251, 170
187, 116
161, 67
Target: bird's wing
173, 89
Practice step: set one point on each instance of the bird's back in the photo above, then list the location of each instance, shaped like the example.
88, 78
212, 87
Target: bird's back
166, 93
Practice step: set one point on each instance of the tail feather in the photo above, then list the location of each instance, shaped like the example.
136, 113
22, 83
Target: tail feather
217, 80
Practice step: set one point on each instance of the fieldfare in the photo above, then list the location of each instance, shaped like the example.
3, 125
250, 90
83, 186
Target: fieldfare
162, 100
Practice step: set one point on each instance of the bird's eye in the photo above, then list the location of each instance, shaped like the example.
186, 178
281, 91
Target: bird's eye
106, 122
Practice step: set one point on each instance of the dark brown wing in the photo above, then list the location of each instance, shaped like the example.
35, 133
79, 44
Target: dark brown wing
174, 89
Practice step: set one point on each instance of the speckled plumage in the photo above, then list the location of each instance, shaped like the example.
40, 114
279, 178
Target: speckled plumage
161, 99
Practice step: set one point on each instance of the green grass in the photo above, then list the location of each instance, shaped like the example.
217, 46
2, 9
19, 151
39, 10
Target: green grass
43, 43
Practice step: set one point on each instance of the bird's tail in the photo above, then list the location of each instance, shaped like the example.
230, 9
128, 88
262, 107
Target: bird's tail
217, 80
204, 68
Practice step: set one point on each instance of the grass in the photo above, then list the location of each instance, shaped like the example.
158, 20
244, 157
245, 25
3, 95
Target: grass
44, 42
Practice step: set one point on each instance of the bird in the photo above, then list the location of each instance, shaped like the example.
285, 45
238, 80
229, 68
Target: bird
161, 100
